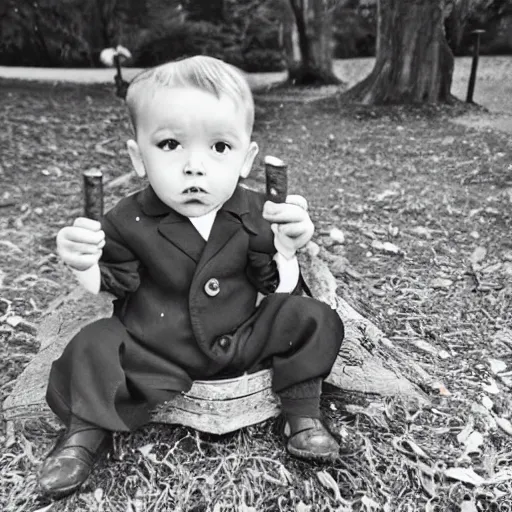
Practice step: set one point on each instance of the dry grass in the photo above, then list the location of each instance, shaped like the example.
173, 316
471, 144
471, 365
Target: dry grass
410, 177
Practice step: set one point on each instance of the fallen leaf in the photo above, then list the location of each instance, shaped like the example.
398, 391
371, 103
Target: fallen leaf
441, 283
498, 478
416, 449
441, 388
302, 507
45, 509
505, 425
424, 345
463, 435
497, 365
385, 194
329, 483
492, 269
337, 235
339, 266
479, 409
503, 336
313, 249
387, 247
473, 443
478, 255
468, 505
98, 495
422, 231
393, 231
369, 504
487, 403
491, 387
14, 320
285, 475
146, 449
464, 475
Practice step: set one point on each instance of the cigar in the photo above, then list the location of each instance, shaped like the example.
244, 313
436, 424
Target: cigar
276, 179
93, 194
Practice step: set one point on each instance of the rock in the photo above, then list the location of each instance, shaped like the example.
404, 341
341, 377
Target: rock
441, 283
478, 255
505, 425
497, 366
491, 387
386, 247
487, 402
337, 236
503, 336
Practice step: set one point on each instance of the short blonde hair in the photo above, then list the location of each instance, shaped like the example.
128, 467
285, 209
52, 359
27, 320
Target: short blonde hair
205, 73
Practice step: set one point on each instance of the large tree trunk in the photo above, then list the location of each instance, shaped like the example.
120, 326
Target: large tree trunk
314, 35
414, 63
457, 13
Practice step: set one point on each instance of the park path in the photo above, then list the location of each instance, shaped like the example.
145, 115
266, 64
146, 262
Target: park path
493, 85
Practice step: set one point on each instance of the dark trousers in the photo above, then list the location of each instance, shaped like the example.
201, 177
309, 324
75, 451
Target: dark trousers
107, 378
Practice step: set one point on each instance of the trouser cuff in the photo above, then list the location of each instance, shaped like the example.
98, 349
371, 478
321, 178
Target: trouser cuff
302, 399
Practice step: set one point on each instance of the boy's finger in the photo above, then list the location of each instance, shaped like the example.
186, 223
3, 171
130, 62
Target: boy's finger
90, 224
79, 248
82, 261
298, 201
292, 230
85, 236
284, 212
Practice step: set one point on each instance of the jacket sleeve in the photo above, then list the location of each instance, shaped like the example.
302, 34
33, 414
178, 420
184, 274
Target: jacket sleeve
119, 266
262, 272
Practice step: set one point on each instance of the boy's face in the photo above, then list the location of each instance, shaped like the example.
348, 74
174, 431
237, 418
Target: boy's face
193, 147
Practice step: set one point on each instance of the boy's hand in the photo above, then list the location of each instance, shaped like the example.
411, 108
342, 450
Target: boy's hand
80, 246
290, 223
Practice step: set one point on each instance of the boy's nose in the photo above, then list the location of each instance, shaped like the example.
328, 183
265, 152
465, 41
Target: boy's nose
194, 165
189, 171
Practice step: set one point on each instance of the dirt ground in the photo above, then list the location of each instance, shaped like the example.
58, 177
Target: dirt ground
425, 206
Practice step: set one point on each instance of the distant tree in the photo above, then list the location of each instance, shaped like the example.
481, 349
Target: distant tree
313, 24
458, 12
66, 32
205, 10
414, 63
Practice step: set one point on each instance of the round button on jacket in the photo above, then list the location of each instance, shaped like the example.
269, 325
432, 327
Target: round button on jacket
224, 342
212, 287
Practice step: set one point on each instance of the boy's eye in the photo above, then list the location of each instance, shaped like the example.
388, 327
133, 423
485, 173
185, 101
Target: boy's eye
221, 147
168, 144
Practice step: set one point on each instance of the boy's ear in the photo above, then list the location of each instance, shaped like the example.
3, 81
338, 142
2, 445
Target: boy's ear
249, 159
136, 158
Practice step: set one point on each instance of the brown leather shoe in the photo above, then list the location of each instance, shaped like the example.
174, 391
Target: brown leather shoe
309, 439
70, 462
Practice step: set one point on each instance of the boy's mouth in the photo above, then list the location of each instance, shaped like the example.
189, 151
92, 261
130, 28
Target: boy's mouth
194, 190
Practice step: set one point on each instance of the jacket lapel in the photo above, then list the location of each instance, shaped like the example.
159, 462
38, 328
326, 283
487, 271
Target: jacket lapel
230, 219
183, 235
174, 227
224, 228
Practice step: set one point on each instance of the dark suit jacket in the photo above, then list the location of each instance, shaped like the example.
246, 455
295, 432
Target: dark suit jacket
158, 266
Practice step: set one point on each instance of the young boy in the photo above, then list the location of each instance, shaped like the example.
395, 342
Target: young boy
186, 258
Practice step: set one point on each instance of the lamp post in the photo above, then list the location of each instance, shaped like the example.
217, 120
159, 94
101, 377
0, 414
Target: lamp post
474, 65
113, 57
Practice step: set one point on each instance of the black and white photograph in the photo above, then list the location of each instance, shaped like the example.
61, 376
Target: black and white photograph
256, 255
